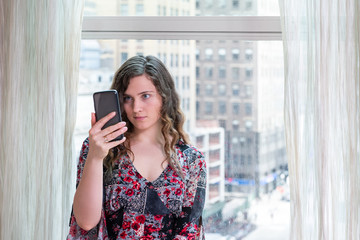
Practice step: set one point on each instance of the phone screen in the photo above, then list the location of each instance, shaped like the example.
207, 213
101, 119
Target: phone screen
106, 102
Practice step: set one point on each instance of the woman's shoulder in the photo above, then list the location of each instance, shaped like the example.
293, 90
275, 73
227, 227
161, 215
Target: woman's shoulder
191, 152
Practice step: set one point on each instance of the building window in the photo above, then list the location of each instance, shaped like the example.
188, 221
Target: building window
235, 3
222, 54
177, 82
197, 72
222, 90
248, 91
208, 107
197, 107
249, 159
197, 89
248, 5
222, 72
124, 57
236, 108
248, 109
248, 54
209, 90
236, 90
139, 10
222, 3
235, 54
209, 72
208, 54
124, 11
248, 73
248, 125
222, 123
235, 72
235, 125
242, 159
222, 107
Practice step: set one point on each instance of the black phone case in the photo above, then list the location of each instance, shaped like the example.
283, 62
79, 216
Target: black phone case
106, 102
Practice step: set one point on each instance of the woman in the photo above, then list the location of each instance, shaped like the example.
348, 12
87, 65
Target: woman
149, 185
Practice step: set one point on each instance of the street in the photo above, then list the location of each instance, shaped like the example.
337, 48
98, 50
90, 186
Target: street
271, 215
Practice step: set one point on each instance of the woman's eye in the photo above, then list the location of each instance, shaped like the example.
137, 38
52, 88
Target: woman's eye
146, 96
127, 99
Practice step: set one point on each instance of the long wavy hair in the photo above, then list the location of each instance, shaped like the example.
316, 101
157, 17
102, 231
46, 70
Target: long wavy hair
172, 118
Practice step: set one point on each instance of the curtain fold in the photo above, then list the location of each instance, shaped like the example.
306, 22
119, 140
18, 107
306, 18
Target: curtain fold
39, 64
321, 51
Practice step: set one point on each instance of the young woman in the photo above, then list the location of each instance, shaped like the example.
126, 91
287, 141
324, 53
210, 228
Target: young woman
149, 185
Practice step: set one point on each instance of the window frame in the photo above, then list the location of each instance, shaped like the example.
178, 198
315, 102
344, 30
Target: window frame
248, 28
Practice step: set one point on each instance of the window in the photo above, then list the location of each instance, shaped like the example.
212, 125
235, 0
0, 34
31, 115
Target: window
235, 4
209, 89
248, 125
139, 9
248, 5
222, 3
222, 107
197, 72
209, 72
236, 89
235, 73
236, 108
248, 109
208, 54
222, 72
222, 89
248, 91
124, 57
248, 54
208, 108
222, 54
189, 77
124, 11
222, 123
235, 54
248, 73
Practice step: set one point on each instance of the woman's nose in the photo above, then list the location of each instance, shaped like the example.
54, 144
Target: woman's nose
137, 106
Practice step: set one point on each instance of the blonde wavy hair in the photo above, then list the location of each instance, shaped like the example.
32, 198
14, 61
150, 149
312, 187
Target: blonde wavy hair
172, 117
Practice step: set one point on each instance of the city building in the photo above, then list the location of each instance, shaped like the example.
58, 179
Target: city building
239, 84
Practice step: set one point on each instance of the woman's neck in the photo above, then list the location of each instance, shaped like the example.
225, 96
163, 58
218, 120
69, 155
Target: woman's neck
149, 136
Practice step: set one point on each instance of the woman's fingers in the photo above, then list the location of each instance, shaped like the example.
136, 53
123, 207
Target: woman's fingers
115, 143
113, 128
93, 119
99, 124
114, 131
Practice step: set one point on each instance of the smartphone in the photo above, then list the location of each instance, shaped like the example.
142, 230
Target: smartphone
106, 102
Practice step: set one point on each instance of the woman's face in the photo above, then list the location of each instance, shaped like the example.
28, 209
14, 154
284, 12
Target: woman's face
142, 104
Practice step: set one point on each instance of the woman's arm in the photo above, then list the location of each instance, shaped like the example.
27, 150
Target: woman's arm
89, 193
189, 223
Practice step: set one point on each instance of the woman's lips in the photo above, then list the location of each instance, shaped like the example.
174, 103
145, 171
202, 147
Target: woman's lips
139, 118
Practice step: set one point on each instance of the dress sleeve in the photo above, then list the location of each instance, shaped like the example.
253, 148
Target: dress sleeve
188, 224
76, 232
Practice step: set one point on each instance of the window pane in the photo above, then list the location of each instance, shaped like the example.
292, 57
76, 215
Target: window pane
236, 123
182, 8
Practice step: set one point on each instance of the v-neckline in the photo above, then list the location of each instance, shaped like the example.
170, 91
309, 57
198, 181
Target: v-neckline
142, 177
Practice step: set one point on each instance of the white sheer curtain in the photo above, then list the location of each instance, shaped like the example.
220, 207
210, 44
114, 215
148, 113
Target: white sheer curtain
39, 61
321, 49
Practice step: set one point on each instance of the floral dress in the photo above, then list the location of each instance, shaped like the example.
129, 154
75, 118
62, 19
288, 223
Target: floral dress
169, 207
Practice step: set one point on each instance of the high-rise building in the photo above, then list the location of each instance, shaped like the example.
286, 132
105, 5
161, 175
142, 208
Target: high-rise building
239, 84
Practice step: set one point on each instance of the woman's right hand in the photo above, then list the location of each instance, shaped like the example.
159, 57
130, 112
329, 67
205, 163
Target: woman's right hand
99, 140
